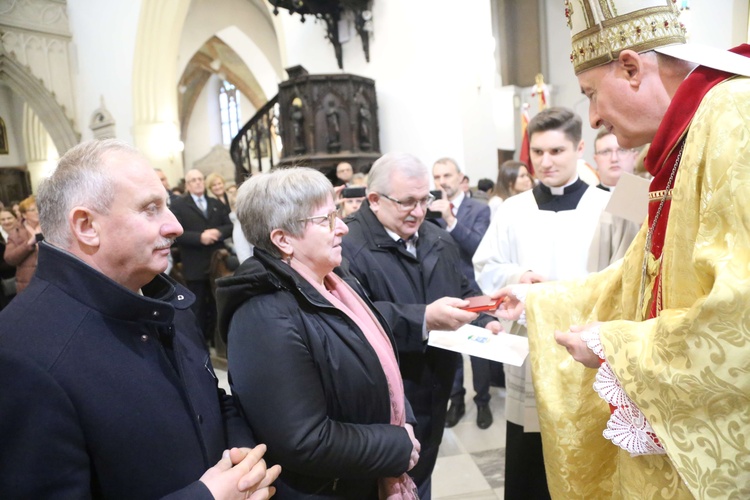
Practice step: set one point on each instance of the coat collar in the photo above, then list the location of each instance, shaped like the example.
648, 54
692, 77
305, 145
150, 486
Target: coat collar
263, 273
429, 234
289, 278
95, 290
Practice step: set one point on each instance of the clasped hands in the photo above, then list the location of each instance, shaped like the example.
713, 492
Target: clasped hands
242, 474
210, 236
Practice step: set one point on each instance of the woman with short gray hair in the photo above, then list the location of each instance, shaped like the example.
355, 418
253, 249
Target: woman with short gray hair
311, 361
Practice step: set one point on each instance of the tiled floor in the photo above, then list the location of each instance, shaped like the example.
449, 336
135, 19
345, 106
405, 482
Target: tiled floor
471, 460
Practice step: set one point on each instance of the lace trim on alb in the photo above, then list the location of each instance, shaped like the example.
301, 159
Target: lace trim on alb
591, 337
627, 426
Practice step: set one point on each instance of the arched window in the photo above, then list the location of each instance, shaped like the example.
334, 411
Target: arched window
229, 106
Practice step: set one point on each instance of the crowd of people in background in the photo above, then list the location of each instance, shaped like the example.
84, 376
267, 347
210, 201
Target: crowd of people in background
491, 233
331, 283
226, 225
20, 229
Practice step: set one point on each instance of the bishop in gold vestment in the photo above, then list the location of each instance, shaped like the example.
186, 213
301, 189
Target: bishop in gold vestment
688, 368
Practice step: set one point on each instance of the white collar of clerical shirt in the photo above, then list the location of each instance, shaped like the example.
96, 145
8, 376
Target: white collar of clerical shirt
559, 191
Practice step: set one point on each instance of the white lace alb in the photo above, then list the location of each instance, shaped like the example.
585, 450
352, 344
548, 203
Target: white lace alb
627, 426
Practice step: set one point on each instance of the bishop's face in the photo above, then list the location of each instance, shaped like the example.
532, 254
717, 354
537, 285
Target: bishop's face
627, 97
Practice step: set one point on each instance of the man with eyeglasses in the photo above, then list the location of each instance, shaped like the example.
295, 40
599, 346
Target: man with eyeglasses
412, 272
611, 159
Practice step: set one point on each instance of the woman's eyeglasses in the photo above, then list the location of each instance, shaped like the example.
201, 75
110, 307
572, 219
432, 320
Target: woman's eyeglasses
318, 219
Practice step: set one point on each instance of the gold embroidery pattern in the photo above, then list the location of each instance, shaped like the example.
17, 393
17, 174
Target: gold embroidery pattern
688, 369
568, 13
658, 195
640, 31
606, 11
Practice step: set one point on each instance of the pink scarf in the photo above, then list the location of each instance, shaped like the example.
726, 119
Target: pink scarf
343, 298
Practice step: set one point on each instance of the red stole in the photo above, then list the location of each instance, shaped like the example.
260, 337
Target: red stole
665, 147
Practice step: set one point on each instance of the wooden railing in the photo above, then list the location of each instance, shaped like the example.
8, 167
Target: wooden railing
257, 146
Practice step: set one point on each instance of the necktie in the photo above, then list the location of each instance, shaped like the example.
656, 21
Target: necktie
453, 209
202, 205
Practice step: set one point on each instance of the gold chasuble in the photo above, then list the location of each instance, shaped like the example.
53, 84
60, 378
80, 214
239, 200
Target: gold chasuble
687, 368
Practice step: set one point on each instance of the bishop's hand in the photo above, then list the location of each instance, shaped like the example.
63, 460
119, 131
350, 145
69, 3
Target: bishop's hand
574, 341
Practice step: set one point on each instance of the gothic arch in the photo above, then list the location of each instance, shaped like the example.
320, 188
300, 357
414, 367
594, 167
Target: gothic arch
155, 120
41, 100
156, 126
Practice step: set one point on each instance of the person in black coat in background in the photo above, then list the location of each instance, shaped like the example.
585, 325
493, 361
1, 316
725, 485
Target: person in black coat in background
107, 388
312, 364
206, 225
412, 272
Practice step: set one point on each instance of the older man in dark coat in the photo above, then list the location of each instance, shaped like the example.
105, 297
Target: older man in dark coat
107, 390
206, 225
412, 272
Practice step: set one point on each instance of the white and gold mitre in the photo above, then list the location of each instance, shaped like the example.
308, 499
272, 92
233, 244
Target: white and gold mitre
601, 29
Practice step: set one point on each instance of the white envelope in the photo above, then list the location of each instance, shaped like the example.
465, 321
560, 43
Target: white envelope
480, 342
630, 199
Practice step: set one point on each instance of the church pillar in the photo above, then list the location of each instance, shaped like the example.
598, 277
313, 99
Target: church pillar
156, 128
41, 155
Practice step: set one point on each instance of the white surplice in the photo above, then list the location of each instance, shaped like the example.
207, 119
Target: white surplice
559, 246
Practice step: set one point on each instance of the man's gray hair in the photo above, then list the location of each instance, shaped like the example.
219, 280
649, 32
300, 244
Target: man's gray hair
379, 178
280, 200
450, 161
80, 179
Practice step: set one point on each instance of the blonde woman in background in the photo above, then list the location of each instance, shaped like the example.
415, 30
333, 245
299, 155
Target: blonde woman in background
215, 188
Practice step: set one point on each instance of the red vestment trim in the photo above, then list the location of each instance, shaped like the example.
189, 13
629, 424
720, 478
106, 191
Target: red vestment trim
664, 149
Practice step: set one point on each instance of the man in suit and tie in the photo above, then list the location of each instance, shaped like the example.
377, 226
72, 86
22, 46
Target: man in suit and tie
466, 220
206, 225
